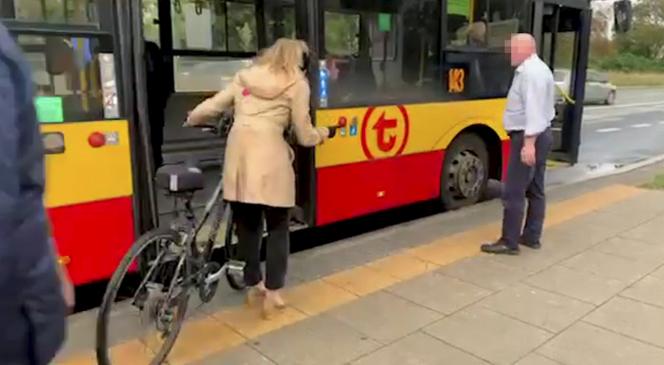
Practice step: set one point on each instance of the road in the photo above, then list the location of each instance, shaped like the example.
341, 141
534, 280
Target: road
614, 136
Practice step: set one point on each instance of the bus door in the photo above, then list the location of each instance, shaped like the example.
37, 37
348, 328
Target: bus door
89, 181
562, 30
204, 43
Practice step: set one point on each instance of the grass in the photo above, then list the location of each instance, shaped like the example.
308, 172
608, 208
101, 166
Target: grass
636, 78
553, 164
656, 184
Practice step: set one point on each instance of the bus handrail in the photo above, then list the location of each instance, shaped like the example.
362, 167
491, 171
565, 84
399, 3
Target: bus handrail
568, 99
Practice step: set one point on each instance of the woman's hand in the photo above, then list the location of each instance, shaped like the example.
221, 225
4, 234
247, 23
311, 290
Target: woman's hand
187, 121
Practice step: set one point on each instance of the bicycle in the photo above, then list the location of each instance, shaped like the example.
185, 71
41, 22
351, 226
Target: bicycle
178, 264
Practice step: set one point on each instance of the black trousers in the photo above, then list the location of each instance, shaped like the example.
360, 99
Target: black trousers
525, 182
249, 221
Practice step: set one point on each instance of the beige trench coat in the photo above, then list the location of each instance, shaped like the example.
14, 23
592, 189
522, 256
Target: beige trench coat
258, 165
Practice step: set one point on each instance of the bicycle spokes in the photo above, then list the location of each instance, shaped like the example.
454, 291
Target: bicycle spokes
149, 302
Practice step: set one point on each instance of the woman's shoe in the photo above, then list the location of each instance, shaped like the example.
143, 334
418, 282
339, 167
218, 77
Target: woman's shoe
255, 294
272, 303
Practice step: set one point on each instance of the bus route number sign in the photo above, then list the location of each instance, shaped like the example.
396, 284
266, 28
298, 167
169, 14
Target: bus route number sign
456, 80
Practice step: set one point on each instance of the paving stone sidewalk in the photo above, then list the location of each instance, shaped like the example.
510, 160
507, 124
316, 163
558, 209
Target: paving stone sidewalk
594, 294
412, 295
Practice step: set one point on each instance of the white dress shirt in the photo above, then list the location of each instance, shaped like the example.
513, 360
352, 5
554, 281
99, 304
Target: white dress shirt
530, 101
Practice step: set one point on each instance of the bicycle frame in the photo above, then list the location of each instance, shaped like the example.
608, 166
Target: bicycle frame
192, 255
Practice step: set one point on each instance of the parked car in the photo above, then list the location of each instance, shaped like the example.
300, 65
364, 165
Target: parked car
598, 88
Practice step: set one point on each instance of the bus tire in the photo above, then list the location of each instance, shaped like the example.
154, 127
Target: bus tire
611, 98
465, 172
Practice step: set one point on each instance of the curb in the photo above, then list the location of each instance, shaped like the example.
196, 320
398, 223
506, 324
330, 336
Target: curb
618, 171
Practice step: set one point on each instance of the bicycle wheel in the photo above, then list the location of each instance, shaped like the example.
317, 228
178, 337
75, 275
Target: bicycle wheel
144, 302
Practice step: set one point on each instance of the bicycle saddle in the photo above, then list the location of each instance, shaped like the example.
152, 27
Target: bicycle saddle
179, 178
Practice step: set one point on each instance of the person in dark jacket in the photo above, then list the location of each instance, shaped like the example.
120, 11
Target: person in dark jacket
32, 307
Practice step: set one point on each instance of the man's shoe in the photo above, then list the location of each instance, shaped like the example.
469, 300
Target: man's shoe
499, 248
535, 245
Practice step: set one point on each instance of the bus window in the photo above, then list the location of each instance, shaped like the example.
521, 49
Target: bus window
376, 53
151, 21
485, 23
55, 11
507, 17
214, 25
226, 26
205, 74
68, 73
242, 33
466, 22
280, 20
342, 34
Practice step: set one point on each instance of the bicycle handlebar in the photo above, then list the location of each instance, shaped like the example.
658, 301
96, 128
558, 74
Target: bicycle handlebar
221, 128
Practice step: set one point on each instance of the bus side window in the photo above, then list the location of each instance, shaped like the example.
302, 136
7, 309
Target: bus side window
280, 21
379, 53
53, 11
67, 72
211, 25
214, 25
485, 23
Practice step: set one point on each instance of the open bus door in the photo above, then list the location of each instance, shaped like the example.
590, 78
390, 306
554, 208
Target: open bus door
562, 30
203, 44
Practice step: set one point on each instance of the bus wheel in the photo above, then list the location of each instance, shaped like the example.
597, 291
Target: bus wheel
611, 98
465, 172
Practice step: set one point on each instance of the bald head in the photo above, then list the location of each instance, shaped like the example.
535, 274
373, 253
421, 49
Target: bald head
521, 47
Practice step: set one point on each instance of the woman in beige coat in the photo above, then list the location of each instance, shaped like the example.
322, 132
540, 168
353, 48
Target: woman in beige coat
259, 180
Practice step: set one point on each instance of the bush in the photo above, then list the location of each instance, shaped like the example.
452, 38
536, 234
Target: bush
628, 62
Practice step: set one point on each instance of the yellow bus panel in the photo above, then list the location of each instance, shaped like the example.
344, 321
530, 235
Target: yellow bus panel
93, 164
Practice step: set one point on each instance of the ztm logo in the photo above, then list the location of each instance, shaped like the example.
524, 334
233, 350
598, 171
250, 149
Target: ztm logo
385, 131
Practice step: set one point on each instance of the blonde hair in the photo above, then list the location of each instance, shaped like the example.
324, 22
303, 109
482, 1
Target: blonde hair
284, 56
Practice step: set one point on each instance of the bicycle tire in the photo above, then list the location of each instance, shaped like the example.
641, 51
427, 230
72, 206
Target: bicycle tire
102, 345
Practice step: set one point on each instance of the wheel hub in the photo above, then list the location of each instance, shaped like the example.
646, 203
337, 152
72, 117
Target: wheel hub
467, 175
156, 309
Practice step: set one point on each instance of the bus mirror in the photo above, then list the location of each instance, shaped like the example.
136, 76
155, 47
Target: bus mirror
59, 55
622, 10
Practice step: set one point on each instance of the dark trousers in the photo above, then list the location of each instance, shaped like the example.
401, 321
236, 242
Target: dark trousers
249, 221
525, 182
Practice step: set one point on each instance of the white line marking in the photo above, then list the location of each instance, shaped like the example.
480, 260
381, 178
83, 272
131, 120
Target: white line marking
609, 119
620, 106
642, 125
601, 121
607, 130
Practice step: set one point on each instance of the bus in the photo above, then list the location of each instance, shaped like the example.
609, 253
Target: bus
417, 88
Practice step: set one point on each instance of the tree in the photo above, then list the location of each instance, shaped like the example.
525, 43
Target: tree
646, 39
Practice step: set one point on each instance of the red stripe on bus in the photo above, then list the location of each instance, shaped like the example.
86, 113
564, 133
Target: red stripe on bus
95, 236
353, 190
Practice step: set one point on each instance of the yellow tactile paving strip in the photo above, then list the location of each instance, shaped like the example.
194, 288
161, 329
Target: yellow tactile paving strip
228, 328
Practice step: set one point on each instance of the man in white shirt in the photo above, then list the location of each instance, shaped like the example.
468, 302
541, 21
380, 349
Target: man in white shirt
527, 119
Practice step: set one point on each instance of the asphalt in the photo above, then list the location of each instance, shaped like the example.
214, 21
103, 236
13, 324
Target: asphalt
616, 136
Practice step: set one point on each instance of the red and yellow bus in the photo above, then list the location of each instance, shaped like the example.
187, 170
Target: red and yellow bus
417, 86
